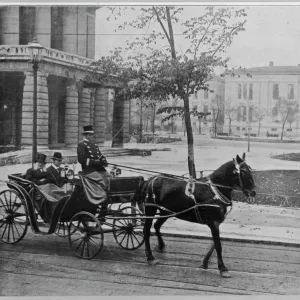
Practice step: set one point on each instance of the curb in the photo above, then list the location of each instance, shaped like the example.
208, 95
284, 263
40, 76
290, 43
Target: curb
230, 239
205, 237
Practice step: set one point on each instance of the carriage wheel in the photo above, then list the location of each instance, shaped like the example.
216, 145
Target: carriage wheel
128, 233
85, 235
13, 217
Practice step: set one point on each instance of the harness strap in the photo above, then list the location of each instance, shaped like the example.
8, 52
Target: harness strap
218, 195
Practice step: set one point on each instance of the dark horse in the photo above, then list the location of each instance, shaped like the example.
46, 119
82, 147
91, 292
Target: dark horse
172, 195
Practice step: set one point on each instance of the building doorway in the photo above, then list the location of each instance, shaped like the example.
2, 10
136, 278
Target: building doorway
11, 95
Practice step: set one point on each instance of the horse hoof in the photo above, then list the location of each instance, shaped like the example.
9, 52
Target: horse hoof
225, 274
204, 266
152, 262
162, 248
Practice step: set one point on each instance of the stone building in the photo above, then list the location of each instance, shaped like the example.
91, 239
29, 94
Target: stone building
255, 96
67, 35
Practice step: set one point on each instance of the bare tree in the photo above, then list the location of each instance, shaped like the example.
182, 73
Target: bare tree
217, 107
260, 114
287, 109
230, 112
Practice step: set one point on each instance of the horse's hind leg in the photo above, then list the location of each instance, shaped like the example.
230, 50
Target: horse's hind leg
214, 227
150, 212
207, 256
157, 226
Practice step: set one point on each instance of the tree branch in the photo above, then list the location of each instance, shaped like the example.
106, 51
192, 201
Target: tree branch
203, 36
161, 24
232, 30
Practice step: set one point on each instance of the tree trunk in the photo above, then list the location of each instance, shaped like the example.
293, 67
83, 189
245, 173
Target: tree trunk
199, 125
230, 126
141, 121
190, 138
283, 124
185, 98
153, 120
147, 124
258, 128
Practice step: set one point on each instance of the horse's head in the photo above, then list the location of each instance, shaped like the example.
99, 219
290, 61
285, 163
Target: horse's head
243, 176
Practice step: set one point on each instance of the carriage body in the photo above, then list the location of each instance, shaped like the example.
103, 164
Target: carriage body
68, 214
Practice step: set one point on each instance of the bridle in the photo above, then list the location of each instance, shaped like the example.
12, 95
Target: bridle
238, 172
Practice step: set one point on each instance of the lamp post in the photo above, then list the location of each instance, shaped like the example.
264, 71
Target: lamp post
35, 50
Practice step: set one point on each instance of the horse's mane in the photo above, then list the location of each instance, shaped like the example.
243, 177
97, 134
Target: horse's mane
222, 171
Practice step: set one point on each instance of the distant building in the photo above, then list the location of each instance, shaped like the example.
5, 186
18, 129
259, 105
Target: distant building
261, 91
68, 37
213, 102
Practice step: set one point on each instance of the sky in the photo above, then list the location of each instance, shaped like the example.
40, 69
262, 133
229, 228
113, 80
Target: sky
272, 33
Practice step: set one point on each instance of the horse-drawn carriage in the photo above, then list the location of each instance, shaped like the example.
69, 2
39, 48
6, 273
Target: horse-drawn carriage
204, 201
25, 204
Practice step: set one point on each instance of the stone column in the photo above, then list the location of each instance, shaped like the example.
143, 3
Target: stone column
118, 123
126, 136
84, 108
42, 110
101, 97
43, 25
9, 25
71, 117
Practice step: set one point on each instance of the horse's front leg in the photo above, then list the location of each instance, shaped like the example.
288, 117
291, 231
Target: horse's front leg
207, 256
157, 226
214, 227
147, 233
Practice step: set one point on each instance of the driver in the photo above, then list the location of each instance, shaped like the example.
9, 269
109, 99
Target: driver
91, 160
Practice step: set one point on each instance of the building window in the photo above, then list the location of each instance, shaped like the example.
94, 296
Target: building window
239, 114
239, 91
250, 114
250, 91
206, 94
276, 91
244, 113
205, 109
274, 112
245, 90
291, 91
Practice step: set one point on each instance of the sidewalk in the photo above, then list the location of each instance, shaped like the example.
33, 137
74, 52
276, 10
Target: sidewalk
247, 223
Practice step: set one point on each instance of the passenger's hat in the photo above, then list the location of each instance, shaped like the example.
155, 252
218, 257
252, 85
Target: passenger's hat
57, 156
41, 158
88, 129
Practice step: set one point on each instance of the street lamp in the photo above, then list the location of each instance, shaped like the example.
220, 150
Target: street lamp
35, 50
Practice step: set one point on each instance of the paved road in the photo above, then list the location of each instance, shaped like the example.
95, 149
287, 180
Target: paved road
44, 265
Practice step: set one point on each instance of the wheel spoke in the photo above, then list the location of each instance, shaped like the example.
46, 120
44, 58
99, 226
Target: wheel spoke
5, 206
19, 224
123, 238
133, 234
2, 224
127, 240
8, 236
132, 241
91, 239
6, 201
122, 232
4, 230
79, 245
16, 228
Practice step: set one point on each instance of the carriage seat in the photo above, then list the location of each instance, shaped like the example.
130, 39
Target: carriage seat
123, 185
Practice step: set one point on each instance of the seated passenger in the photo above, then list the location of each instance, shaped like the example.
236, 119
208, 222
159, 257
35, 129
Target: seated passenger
38, 173
55, 170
